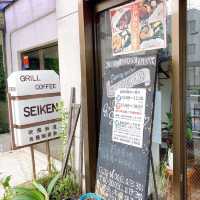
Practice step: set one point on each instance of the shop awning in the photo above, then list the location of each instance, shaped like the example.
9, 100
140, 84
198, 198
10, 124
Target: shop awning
5, 3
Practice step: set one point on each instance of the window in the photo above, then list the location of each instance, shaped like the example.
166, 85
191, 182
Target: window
191, 49
192, 26
197, 76
43, 58
50, 56
190, 79
193, 101
31, 61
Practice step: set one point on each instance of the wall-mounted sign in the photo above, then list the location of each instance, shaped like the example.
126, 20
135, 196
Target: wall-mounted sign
34, 97
126, 128
138, 26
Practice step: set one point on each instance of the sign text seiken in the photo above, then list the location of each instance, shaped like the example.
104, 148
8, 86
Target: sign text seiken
34, 97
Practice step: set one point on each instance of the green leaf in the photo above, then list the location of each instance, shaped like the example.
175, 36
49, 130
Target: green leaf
30, 192
40, 188
189, 134
52, 184
21, 190
170, 121
6, 182
23, 197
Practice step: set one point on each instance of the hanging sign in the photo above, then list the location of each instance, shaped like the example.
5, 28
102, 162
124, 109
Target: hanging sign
138, 26
34, 97
126, 127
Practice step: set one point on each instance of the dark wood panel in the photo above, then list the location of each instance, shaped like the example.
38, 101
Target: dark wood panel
88, 114
179, 97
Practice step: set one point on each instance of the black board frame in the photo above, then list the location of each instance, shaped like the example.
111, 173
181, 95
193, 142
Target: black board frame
153, 85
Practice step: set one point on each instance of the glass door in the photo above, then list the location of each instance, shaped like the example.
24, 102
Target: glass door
193, 100
162, 132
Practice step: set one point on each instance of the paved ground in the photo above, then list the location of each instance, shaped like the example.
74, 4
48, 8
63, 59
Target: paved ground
18, 164
5, 143
55, 146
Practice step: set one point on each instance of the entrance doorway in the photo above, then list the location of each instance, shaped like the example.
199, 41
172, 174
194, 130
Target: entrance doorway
162, 132
96, 48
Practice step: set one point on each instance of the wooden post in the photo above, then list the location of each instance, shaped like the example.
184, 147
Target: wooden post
81, 162
11, 121
179, 12
33, 162
70, 140
88, 120
154, 176
48, 156
72, 101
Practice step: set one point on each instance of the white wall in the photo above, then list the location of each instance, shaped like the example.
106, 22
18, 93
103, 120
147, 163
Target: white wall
166, 90
29, 24
69, 56
68, 47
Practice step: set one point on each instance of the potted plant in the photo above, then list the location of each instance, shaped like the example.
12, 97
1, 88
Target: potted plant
36, 192
51, 187
168, 129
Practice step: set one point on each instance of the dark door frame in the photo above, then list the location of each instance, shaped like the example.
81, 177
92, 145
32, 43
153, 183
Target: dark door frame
179, 44
89, 122
87, 11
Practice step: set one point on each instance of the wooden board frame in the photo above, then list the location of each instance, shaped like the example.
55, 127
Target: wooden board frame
13, 126
87, 10
88, 124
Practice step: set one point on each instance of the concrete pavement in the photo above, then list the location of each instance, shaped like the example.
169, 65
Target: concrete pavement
55, 146
18, 165
5, 142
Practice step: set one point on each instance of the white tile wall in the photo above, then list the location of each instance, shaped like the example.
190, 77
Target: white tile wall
66, 7
24, 11
27, 29
69, 57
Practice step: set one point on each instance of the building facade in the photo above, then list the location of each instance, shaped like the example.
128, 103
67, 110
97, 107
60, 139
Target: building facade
47, 33
73, 37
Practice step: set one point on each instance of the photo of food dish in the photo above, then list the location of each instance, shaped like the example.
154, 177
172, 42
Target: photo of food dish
138, 26
121, 29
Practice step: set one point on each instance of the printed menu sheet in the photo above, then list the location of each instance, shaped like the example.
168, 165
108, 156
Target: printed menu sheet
129, 114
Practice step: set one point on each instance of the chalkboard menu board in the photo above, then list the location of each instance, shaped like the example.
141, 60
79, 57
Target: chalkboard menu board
126, 126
